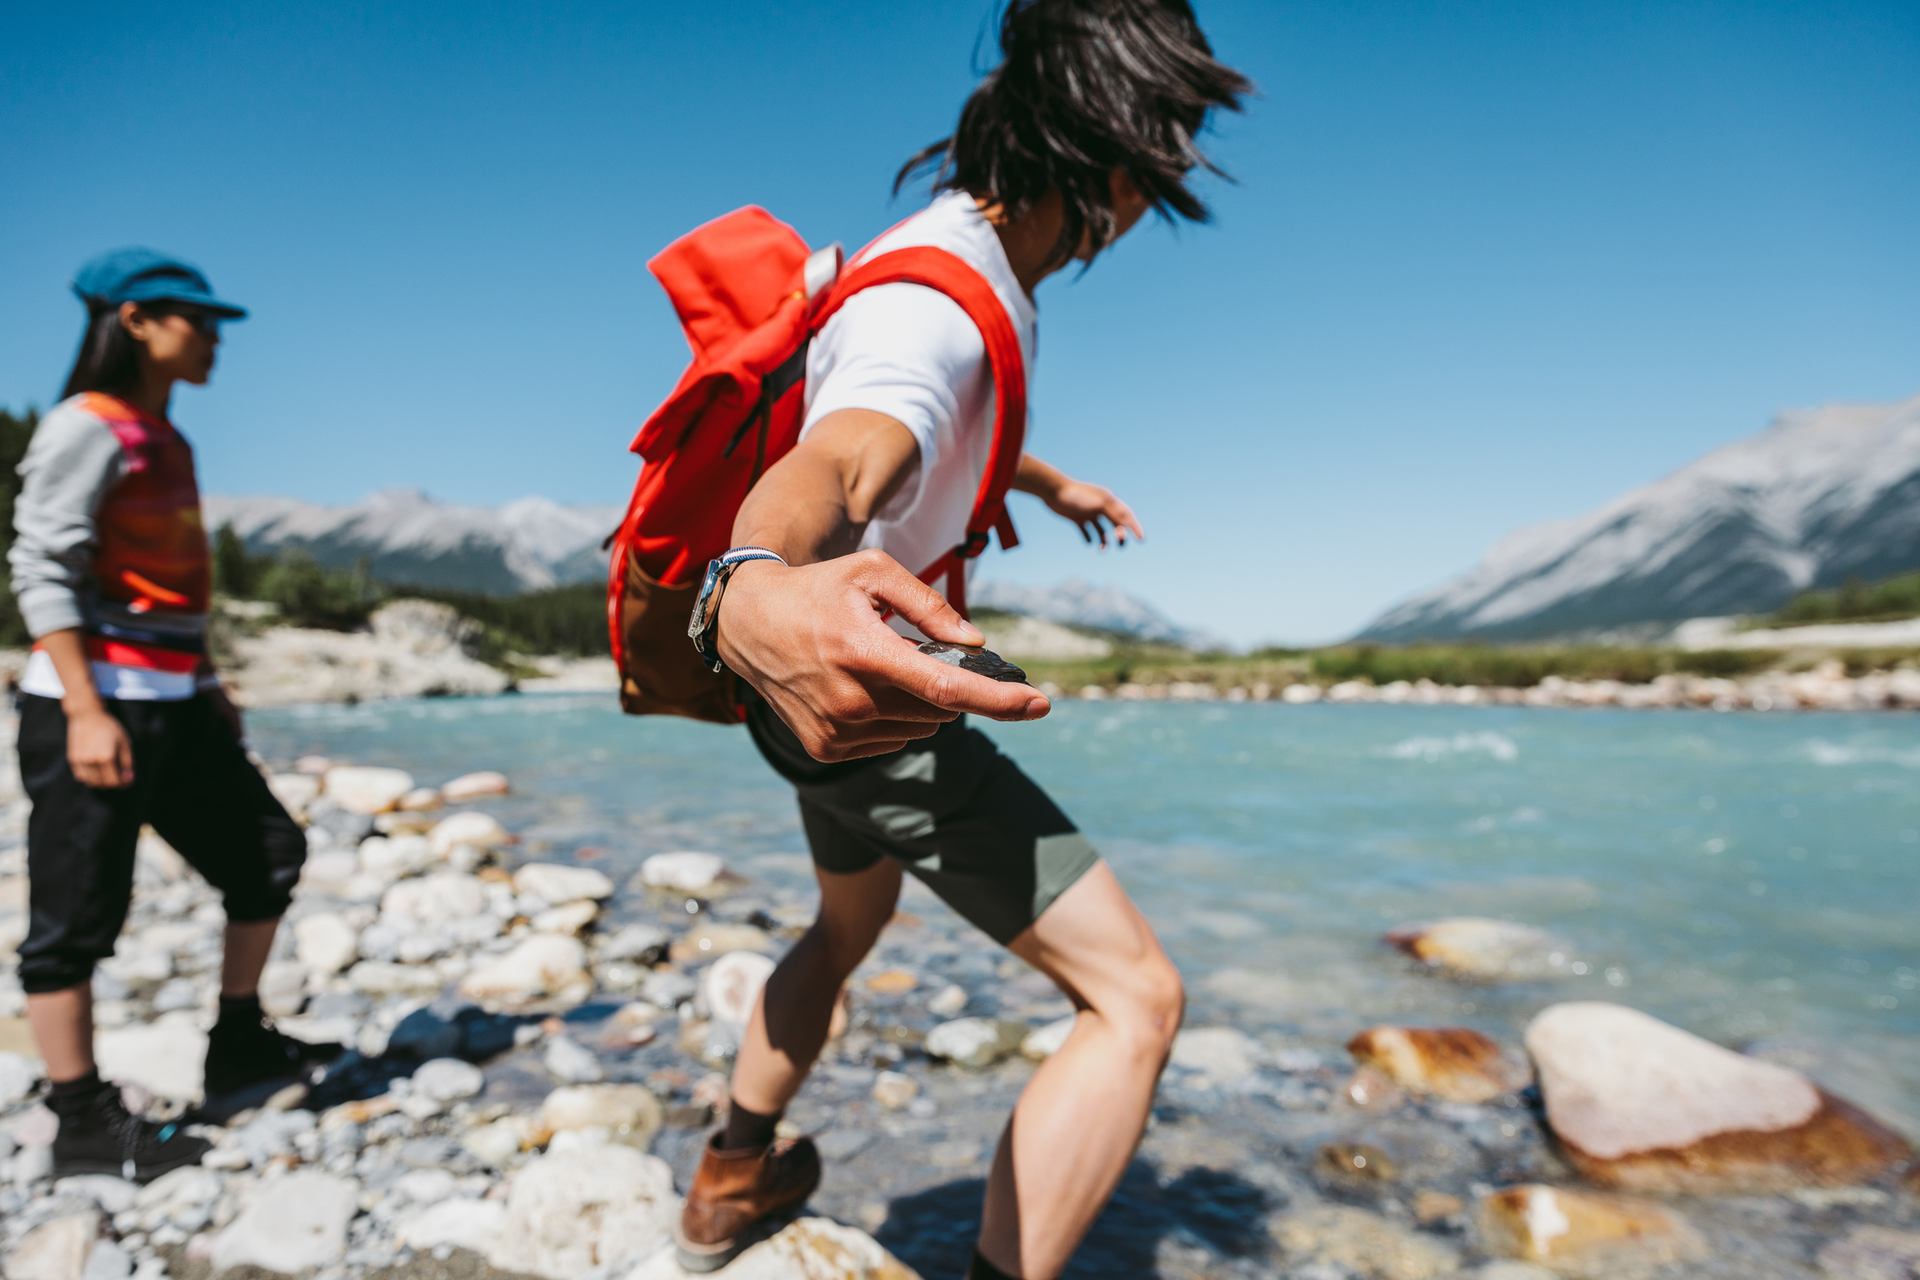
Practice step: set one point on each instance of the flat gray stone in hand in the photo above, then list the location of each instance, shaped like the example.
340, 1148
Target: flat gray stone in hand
980, 661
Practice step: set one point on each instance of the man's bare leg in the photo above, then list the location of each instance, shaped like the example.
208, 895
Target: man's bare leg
1082, 1114
791, 1018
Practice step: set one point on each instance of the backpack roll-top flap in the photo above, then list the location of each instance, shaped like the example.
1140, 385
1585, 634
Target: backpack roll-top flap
740, 285
730, 275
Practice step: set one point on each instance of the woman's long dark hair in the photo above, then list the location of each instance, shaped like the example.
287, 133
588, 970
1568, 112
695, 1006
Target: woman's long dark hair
1085, 87
109, 357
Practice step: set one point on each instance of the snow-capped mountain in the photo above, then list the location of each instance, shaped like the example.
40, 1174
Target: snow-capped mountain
1820, 497
1085, 604
407, 537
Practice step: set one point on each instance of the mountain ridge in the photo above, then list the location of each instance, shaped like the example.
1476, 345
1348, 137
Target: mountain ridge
1819, 497
408, 538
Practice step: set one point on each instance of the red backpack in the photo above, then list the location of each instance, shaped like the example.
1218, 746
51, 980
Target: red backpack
751, 296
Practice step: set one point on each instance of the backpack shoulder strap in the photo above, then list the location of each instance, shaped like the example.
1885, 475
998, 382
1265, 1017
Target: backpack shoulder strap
951, 275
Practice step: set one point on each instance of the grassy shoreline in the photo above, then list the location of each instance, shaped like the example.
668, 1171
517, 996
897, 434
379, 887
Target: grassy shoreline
1482, 666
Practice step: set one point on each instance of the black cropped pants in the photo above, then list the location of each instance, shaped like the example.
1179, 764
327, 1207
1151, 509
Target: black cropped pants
192, 783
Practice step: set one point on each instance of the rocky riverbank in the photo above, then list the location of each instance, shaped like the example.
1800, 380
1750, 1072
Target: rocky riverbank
539, 1049
420, 648
1826, 687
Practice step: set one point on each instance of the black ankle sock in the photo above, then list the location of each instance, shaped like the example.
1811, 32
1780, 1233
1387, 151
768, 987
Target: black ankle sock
984, 1270
747, 1128
240, 1010
68, 1097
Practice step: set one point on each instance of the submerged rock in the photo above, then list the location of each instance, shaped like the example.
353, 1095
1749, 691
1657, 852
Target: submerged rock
1045, 1041
1363, 1243
709, 940
1485, 950
1581, 1234
1872, 1253
1355, 1165
974, 1042
1454, 1063
1645, 1106
1217, 1055
894, 1091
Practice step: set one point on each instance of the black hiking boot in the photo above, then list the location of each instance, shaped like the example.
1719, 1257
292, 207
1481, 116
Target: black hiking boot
99, 1135
250, 1058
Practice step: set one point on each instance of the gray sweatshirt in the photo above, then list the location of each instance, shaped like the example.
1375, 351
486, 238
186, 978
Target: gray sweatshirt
107, 528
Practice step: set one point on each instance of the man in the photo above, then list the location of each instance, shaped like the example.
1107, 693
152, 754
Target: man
1089, 122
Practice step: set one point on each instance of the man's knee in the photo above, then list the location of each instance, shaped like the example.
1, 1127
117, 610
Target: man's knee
1147, 1006
839, 947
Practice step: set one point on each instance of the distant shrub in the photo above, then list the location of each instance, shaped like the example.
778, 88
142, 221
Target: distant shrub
15, 431
569, 621
1524, 667
1856, 601
308, 595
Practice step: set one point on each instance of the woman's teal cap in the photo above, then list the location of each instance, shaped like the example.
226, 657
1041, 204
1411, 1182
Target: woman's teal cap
142, 275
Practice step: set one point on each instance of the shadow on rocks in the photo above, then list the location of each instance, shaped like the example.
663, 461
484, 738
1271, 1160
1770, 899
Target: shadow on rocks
467, 1032
1213, 1210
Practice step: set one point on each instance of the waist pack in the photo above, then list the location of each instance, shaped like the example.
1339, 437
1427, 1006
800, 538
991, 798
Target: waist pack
751, 296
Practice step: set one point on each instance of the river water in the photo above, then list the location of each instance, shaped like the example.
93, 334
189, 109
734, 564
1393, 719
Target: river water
1753, 878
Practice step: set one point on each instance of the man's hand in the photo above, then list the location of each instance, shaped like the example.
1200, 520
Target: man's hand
812, 641
223, 706
1093, 509
98, 749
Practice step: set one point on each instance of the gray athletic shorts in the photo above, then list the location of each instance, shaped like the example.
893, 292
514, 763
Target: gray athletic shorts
953, 810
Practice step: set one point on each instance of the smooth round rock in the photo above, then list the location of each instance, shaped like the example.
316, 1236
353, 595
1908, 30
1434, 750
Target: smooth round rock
732, 984
475, 786
1642, 1105
556, 884
682, 872
366, 790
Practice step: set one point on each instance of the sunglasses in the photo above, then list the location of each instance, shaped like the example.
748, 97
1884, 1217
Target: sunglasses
205, 323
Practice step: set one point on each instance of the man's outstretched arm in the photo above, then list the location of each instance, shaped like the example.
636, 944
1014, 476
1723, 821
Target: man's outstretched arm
810, 637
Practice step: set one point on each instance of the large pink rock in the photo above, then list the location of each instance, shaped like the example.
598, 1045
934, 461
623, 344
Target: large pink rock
1640, 1104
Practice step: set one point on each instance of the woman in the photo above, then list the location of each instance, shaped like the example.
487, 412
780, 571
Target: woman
123, 722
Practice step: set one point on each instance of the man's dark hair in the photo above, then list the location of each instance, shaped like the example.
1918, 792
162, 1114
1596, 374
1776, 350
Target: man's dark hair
109, 357
1085, 87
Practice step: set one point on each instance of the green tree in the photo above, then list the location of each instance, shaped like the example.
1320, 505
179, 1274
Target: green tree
236, 571
15, 432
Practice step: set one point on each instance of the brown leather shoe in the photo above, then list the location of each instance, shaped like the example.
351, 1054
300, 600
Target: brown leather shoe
737, 1192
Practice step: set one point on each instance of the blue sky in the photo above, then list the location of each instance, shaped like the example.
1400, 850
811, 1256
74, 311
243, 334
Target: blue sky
1485, 264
